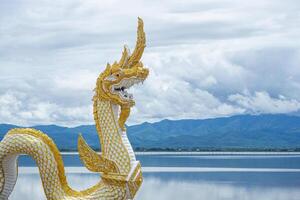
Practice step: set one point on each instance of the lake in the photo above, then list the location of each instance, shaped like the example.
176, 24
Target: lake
188, 176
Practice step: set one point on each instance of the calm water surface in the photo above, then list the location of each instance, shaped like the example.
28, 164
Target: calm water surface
188, 176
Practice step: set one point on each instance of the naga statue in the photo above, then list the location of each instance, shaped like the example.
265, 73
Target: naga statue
121, 174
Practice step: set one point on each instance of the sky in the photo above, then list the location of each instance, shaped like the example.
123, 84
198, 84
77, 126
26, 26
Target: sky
207, 58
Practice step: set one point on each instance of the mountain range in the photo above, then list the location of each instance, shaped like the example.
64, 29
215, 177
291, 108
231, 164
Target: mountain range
241, 132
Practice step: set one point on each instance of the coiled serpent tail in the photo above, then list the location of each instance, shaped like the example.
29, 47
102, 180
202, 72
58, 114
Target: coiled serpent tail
48, 159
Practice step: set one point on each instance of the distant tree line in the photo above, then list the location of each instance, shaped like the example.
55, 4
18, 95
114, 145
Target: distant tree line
229, 149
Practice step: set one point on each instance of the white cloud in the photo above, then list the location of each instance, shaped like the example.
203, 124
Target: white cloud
262, 102
21, 109
202, 55
75, 80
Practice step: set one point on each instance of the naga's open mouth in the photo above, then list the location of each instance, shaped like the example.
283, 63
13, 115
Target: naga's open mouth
121, 88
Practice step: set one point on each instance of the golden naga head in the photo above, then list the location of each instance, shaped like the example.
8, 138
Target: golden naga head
117, 78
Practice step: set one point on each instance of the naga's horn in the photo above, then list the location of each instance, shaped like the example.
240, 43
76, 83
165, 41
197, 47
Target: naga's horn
128, 60
125, 56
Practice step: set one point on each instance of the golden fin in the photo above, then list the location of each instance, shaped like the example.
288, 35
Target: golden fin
93, 161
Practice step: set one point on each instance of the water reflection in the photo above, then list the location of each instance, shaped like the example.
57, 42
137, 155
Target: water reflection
191, 177
160, 190
159, 187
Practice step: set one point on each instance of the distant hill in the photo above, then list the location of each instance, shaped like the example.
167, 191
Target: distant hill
237, 132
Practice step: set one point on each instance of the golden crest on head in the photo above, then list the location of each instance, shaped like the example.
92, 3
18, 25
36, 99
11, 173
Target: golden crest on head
118, 77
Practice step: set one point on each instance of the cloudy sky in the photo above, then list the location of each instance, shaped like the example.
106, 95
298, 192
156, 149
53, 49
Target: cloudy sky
207, 58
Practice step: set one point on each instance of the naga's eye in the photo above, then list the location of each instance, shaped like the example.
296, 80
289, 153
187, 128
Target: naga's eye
118, 74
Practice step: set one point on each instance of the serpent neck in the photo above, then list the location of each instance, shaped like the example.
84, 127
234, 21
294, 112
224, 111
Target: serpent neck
114, 143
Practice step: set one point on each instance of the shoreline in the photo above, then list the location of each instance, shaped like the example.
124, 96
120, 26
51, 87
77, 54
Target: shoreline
203, 153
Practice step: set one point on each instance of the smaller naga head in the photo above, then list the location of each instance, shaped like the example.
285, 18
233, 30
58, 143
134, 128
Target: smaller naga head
113, 82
